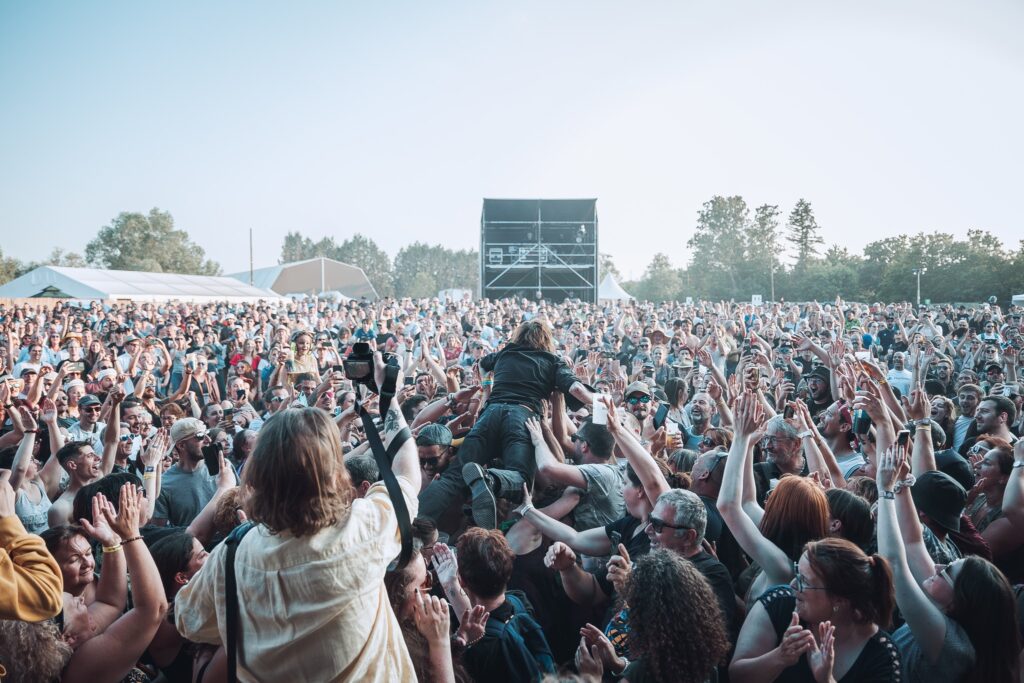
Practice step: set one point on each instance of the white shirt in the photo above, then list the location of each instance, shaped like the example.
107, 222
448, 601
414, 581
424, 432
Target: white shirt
312, 608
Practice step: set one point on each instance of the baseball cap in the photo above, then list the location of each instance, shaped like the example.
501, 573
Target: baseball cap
941, 497
88, 400
638, 388
820, 372
185, 428
434, 435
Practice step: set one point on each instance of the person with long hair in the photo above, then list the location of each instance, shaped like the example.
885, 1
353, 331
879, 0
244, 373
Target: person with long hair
316, 558
827, 625
961, 618
996, 508
677, 633
796, 511
943, 411
525, 372
678, 394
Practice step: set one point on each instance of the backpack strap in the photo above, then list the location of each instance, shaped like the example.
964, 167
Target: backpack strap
231, 591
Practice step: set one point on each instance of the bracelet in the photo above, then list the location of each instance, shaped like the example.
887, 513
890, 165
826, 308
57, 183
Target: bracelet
150, 468
526, 509
904, 484
111, 549
476, 641
887, 495
927, 421
806, 433
148, 475
29, 431
1017, 465
928, 427
129, 540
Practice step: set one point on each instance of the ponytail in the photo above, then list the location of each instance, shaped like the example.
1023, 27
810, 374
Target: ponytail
885, 590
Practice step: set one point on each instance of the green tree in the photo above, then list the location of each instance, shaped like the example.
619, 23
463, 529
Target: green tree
803, 232
763, 248
422, 270
135, 241
10, 268
661, 281
607, 265
362, 251
296, 247
67, 259
719, 246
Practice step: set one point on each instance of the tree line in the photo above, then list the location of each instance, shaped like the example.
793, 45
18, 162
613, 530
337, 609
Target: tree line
734, 254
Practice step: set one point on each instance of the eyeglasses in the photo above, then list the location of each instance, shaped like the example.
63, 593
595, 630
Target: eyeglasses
576, 438
89, 409
276, 399
977, 448
633, 400
125, 437
659, 524
800, 581
946, 572
430, 462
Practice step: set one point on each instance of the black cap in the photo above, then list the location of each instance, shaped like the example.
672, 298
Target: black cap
941, 497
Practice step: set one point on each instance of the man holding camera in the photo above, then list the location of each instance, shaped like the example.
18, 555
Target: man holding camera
525, 372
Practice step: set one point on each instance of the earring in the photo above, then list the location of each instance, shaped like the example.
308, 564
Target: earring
835, 608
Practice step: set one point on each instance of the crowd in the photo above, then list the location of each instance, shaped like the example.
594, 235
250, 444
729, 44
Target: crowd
625, 491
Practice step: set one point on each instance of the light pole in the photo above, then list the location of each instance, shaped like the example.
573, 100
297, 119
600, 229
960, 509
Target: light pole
772, 275
919, 272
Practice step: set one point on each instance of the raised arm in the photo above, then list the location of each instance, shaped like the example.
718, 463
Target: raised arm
925, 619
24, 453
593, 542
113, 653
406, 463
776, 564
112, 433
642, 461
30, 580
547, 465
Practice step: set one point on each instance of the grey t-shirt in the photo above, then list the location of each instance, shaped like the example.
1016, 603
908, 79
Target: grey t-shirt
602, 502
956, 660
184, 494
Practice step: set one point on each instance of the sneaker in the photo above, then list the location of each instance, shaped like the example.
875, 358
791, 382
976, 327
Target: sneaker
485, 506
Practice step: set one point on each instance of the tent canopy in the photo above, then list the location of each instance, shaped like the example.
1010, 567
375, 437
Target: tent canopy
1018, 300
312, 276
609, 289
94, 283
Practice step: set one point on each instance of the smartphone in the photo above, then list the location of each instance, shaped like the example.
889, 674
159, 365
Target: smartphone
240, 394
659, 417
337, 367
229, 413
903, 438
211, 456
75, 367
410, 380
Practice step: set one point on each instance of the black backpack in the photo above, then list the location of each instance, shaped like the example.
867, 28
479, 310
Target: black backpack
524, 649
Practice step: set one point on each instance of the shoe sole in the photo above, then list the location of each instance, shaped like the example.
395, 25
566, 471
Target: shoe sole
485, 506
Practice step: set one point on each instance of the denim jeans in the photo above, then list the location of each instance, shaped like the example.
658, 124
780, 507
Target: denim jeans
500, 433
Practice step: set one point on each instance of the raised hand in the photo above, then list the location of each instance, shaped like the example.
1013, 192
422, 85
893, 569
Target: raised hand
47, 411
559, 557
446, 566
619, 569
431, 616
527, 502
918, 407
533, 426
126, 523
795, 642
100, 529
602, 647
472, 625
158, 447
821, 657
28, 422
588, 661
890, 464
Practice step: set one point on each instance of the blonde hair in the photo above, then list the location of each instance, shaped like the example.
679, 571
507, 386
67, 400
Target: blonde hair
297, 474
534, 334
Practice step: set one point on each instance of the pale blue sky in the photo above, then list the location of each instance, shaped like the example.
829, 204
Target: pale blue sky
395, 119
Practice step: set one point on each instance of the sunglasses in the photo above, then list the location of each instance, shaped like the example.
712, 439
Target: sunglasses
126, 437
633, 400
576, 438
660, 525
430, 462
947, 573
710, 443
90, 409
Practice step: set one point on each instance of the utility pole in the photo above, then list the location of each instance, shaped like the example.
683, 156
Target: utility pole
919, 272
772, 272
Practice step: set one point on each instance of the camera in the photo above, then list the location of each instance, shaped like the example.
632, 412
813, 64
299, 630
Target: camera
358, 365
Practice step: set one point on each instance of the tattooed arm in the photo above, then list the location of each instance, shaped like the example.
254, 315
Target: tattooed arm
407, 461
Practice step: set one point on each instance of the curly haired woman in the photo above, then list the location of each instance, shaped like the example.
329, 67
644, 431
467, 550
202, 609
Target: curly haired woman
677, 631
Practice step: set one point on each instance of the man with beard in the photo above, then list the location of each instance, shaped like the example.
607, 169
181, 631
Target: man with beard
968, 398
941, 371
88, 427
783, 453
836, 425
819, 389
639, 401
994, 416
434, 445
701, 410
899, 377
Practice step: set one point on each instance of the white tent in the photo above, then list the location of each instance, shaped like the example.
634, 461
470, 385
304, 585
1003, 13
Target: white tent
94, 283
312, 276
1018, 300
609, 289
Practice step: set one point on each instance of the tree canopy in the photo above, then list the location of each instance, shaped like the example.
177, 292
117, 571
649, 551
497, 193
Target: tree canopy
135, 241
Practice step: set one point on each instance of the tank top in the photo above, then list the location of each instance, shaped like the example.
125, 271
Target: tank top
33, 515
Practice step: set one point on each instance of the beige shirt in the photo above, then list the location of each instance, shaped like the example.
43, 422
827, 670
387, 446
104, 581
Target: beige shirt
313, 608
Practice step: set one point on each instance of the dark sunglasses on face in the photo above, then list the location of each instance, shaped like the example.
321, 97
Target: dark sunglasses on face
658, 525
710, 443
633, 400
430, 463
90, 409
125, 437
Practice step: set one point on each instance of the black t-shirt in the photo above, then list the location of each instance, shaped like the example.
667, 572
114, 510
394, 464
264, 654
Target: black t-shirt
721, 582
878, 662
637, 545
526, 376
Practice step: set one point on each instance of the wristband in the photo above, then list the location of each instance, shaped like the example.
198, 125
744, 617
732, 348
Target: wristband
526, 509
111, 549
887, 495
806, 433
905, 484
150, 468
924, 422
29, 431
1017, 465
129, 540
148, 476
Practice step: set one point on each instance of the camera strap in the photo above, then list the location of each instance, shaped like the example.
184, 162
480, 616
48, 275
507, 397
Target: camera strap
231, 594
384, 458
